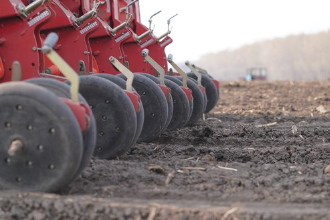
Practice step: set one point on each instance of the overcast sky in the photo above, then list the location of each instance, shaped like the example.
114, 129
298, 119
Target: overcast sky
205, 26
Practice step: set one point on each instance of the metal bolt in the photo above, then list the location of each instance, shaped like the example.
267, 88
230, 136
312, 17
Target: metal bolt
174, 101
51, 166
52, 130
18, 179
117, 129
34, 48
101, 133
104, 118
144, 93
19, 107
107, 101
40, 147
99, 149
8, 124
16, 147
30, 127
91, 107
7, 160
153, 115
29, 163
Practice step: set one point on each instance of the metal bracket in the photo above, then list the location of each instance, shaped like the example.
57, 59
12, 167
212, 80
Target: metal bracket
129, 75
124, 24
180, 71
16, 73
126, 8
26, 10
169, 29
66, 70
198, 74
154, 64
79, 21
119, 27
201, 70
139, 38
150, 20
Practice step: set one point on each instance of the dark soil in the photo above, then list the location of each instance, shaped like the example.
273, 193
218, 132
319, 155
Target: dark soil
261, 154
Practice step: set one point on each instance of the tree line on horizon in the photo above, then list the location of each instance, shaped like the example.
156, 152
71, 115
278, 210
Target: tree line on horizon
296, 57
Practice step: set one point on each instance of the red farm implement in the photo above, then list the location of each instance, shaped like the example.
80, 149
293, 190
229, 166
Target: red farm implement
79, 78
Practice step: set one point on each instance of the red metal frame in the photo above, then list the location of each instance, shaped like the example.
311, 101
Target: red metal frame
20, 40
103, 44
19, 37
73, 44
132, 49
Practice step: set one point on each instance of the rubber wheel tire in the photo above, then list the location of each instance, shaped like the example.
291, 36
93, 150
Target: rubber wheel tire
199, 101
179, 83
169, 101
114, 114
181, 107
53, 143
218, 90
139, 115
211, 91
89, 136
205, 96
154, 105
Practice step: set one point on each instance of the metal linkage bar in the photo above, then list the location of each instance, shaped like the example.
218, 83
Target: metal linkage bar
124, 24
79, 21
16, 71
150, 20
26, 10
168, 31
67, 71
126, 8
198, 74
179, 70
129, 75
139, 38
154, 64
201, 70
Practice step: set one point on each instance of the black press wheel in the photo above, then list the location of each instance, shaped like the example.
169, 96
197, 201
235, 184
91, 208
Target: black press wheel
181, 106
154, 105
41, 143
139, 114
89, 136
179, 83
170, 103
204, 95
199, 101
218, 90
114, 114
211, 91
